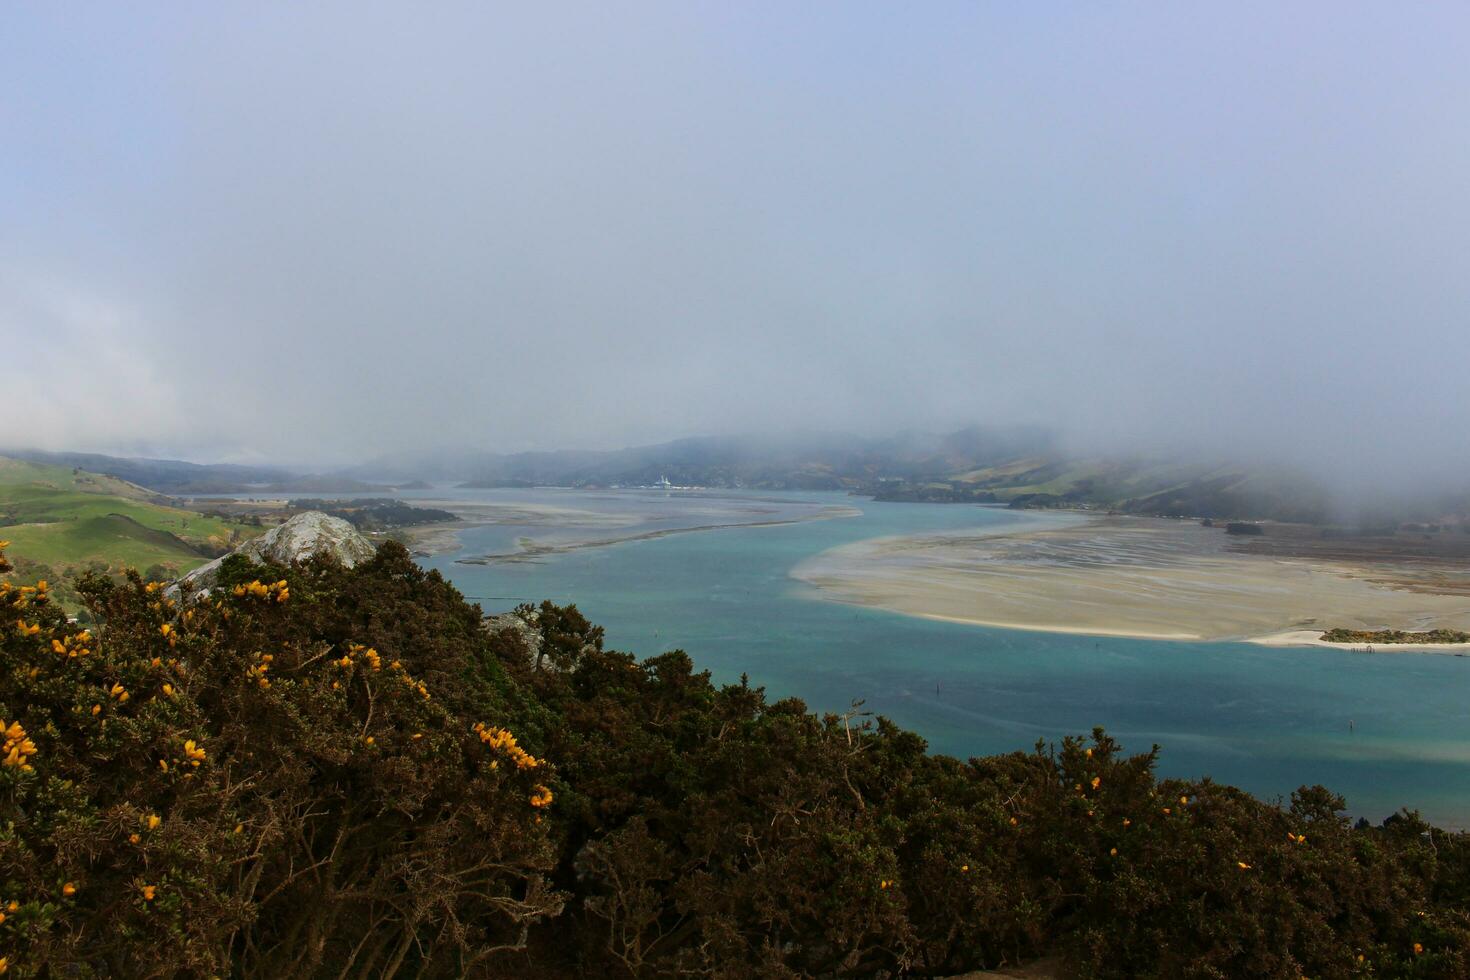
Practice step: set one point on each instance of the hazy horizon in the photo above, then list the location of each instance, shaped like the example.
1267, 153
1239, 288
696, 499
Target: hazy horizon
314, 236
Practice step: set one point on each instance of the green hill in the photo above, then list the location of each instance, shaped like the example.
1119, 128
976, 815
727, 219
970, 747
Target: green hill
22, 473
114, 539
65, 519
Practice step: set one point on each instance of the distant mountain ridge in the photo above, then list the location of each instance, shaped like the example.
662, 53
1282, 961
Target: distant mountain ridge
810, 461
1020, 467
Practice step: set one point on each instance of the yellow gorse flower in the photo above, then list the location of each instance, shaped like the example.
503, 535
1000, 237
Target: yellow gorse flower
18, 747
193, 752
75, 645
540, 796
503, 741
260, 590
258, 671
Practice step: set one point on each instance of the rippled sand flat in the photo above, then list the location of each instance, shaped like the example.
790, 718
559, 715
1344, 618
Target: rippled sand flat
1121, 576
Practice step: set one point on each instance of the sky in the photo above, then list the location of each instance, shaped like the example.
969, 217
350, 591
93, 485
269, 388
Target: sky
317, 233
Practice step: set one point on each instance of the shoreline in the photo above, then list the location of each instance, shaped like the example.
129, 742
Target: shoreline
428, 540
1285, 638
1313, 638
1053, 628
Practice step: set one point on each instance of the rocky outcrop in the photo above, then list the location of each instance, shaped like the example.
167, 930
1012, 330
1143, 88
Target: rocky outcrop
311, 533
523, 628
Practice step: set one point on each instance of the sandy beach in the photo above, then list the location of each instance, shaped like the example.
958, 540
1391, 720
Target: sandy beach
1138, 577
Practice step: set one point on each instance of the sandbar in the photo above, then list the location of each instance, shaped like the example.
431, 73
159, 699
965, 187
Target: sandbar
1148, 578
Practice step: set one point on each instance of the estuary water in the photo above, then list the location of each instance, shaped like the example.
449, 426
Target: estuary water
1267, 720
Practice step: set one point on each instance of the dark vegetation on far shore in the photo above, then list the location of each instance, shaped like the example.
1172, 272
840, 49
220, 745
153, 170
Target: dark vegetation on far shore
374, 513
1341, 635
320, 772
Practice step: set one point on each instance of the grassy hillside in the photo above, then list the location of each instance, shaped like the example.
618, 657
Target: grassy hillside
167, 475
22, 473
66, 519
114, 539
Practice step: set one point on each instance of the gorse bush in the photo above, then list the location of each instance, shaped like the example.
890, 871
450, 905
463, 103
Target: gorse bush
263, 783
320, 772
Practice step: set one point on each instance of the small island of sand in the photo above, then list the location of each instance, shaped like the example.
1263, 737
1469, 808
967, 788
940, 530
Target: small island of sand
1139, 577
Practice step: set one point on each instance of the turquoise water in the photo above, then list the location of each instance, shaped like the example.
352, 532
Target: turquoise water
1268, 720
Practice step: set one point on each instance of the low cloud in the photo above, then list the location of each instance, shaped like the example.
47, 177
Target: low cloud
320, 234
